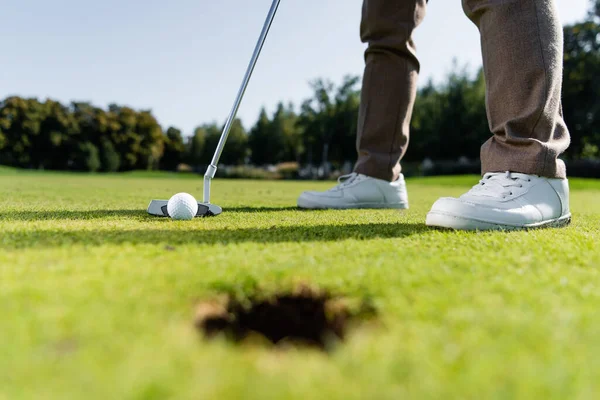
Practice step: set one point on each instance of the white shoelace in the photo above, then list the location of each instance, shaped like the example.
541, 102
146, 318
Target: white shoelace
345, 181
499, 185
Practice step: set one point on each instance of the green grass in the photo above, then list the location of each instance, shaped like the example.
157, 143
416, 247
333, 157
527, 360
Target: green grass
97, 299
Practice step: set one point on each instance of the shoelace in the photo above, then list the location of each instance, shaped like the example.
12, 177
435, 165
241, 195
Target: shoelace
345, 181
499, 185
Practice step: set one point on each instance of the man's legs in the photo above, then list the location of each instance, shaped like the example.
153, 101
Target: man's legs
388, 96
522, 49
389, 85
522, 45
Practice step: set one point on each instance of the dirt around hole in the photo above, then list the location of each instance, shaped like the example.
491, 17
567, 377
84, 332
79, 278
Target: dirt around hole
304, 316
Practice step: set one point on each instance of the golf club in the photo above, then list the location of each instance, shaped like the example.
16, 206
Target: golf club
205, 209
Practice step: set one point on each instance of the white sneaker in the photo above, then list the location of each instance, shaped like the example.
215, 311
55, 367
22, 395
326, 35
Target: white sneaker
358, 191
506, 201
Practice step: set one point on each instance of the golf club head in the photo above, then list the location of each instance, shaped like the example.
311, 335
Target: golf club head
158, 208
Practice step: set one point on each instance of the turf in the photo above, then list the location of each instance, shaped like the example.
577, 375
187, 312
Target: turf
97, 299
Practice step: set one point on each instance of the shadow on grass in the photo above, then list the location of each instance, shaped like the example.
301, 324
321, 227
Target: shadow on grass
251, 210
70, 215
171, 238
105, 214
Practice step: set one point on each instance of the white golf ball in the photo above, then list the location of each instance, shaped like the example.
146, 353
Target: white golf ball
182, 207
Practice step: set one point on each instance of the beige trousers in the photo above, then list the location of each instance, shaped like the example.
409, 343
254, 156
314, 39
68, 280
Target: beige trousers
522, 47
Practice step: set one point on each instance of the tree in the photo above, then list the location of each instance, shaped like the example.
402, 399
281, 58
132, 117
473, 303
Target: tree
50, 148
328, 122
3, 140
449, 121
126, 140
174, 153
237, 150
293, 148
109, 158
260, 141
196, 146
283, 136
51, 135
21, 126
86, 158
317, 120
275, 140
345, 124
100, 128
581, 104
152, 141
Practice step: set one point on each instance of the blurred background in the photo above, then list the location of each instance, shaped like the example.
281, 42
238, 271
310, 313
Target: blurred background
146, 85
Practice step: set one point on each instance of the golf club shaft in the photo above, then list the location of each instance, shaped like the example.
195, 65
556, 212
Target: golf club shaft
212, 169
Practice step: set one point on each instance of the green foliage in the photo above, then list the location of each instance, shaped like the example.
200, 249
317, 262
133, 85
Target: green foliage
202, 144
175, 150
276, 140
80, 136
21, 121
237, 144
329, 121
266, 144
196, 145
581, 99
151, 145
590, 151
55, 137
110, 159
2, 140
449, 121
87, 158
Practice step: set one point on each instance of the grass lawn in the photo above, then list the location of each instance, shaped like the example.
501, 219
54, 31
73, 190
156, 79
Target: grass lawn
97, 298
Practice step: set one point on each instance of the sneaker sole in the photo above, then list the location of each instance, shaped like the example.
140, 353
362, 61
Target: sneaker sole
307, 205
445, 221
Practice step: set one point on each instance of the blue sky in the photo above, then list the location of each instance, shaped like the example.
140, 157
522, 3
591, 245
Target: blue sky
185, 59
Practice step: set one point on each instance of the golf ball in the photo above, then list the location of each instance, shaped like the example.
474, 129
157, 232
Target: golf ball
182, 207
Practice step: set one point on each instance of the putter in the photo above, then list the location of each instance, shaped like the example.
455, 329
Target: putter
158, 208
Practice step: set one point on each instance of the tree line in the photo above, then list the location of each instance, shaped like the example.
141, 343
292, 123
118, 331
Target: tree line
449, 122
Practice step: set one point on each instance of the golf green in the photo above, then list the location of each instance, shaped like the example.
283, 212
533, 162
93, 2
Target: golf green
97, 299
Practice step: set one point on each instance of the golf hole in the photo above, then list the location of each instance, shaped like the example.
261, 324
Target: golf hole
305, 317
